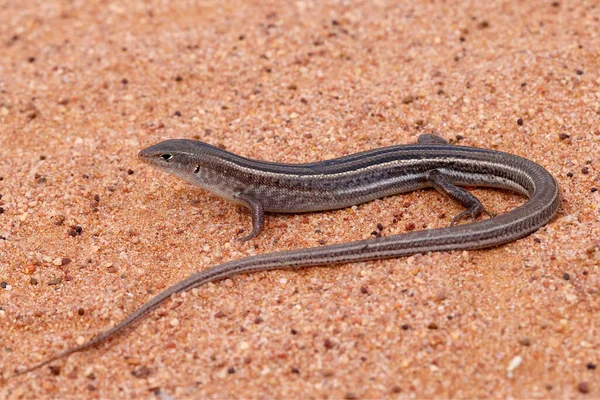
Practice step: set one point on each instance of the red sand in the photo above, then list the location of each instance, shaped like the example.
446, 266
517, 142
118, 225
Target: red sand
85, 85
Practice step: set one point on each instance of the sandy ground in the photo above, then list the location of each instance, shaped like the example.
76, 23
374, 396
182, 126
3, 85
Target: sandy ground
88, 233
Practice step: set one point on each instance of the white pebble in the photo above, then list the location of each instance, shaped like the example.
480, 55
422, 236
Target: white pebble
514, 364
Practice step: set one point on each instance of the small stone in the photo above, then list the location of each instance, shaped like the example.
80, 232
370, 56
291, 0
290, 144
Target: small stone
514, 363
89, 373
55, 281
396, 389
328, 373
432, 325
29, 269
174, 322
328, 344
54, 369
520, 121
583, 387
525, 342
141, 372
33, 281
563, 136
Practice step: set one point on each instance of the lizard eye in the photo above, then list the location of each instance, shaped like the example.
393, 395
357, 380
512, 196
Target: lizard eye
197, 169
166, 156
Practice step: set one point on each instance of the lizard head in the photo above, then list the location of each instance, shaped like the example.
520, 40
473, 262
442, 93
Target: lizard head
176, 156
193, 161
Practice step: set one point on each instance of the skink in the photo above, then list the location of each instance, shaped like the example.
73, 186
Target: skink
342, 182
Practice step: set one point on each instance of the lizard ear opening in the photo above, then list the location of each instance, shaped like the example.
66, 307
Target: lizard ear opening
166, 156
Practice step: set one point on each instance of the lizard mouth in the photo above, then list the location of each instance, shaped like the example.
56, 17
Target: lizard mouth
144, 155
156, 158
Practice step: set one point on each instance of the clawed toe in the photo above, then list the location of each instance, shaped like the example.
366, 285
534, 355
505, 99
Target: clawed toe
489, 214
251, 235
473, 214
461, 215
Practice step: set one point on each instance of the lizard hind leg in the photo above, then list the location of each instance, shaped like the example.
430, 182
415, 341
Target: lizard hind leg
444, 185
473, 214
428, 138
